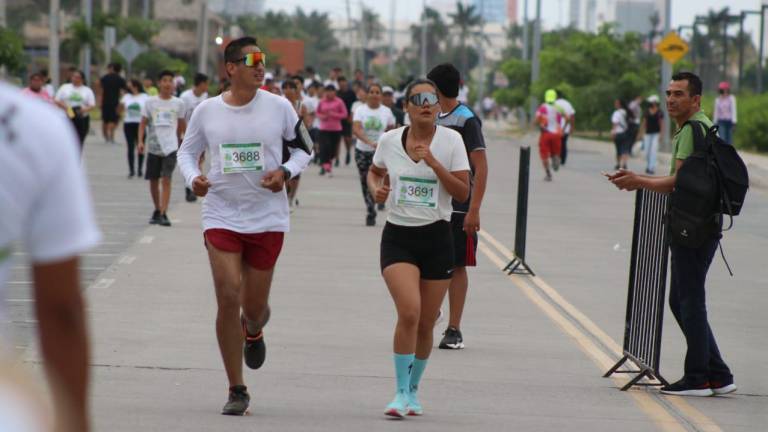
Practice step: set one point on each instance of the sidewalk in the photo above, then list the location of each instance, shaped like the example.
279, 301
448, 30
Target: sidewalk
329, 363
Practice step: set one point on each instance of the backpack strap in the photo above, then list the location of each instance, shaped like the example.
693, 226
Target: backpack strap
699, 138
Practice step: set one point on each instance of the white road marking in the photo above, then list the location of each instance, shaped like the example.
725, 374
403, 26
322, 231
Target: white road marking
127, 259
103, 283
147, 239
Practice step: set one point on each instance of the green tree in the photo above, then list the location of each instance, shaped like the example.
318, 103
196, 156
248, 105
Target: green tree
11, 50
466, 19
437, 33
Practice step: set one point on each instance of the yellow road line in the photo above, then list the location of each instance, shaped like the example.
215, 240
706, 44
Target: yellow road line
701, 421
660, 416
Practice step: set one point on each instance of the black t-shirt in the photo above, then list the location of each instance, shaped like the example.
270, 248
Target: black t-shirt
399, 115
653, 122
349, 98
464, 121
111, 84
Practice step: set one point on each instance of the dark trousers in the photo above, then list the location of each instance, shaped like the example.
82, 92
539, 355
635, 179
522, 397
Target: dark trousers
131, 131
82, 124
329, 141
687, 300
364, 159
564, 149
725, 128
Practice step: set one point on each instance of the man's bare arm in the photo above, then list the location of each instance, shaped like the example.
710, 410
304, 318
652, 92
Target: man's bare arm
64, 339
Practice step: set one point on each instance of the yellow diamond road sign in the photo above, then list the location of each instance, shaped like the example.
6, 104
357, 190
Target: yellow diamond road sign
672, 48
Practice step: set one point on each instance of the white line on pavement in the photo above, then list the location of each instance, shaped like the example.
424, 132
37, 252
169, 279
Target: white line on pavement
127, 259
701, 421
147, 239
103, 283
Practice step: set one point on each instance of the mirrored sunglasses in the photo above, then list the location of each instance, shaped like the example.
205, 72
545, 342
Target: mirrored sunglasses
420, 99
252, 59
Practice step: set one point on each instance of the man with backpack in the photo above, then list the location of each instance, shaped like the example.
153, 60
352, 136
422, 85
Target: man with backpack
693, 246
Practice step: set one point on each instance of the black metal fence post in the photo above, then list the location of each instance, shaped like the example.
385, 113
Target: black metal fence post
646, 291
518, 264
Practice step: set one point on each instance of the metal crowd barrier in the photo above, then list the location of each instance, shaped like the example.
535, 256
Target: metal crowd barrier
647, 288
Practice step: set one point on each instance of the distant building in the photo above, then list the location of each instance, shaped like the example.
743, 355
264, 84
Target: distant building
237, 8
493, 11
628, 15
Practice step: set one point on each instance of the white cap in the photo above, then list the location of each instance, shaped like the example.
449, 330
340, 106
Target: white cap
268, 76
387, 89
653, 99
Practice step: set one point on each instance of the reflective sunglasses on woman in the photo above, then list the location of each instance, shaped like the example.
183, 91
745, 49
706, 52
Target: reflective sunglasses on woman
420, 99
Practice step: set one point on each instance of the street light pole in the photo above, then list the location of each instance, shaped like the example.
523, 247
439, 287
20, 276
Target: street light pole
391, 65
87, 6
535, 63
666, 69
424, 38
525, 30
202, 26
53, 43
145, 10
760, 54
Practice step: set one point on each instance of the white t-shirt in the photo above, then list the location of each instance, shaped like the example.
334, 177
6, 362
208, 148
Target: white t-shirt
45, 204
375, 122
567, 109
311, 102
236, 200
134, 106
162, 124
76, 97
411, 180
191, 102
619, 120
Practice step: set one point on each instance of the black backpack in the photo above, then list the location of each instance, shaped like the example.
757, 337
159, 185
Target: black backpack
712, 182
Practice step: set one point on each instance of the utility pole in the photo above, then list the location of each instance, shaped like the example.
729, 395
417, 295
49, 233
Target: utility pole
105, 7
481, 53
424, 38
525, 30
145, 10
724, 73
87, 6
3, 17
666, 70
391, 50
350, 36
53, 43
364, 40
760, 53
124, 8
535, 63
202, 27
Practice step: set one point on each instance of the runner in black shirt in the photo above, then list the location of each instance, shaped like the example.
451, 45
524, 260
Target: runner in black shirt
112, 85
348, 96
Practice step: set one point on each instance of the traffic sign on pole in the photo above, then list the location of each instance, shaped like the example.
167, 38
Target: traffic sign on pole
130, 49
672, 48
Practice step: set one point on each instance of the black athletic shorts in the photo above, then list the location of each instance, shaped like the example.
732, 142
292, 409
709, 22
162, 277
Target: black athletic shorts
346, 128
463, 255
428, 247
109, 113
160, 166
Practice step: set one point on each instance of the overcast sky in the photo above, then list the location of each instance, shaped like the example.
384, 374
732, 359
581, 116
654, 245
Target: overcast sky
554, 12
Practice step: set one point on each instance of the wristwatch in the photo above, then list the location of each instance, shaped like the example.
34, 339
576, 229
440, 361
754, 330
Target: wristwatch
286, 172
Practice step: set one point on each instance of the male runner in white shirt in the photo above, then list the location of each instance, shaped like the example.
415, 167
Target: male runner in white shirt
45, 207
245, 211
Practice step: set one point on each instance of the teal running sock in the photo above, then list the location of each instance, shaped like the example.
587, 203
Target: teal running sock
417, 370
402, 371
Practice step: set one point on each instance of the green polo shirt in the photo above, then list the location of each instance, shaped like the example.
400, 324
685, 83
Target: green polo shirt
682, 142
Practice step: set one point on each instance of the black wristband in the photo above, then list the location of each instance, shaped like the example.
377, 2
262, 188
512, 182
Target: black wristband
286, 172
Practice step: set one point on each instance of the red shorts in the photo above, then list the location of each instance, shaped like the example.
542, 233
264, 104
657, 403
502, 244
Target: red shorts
259, 250
549, 145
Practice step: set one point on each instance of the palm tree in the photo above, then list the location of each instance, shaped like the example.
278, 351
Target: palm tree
437, 32
466, 18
